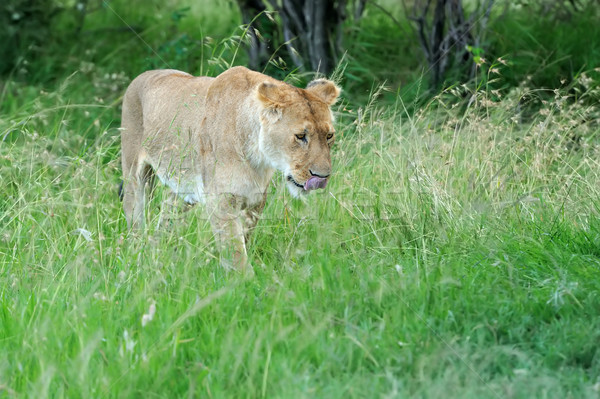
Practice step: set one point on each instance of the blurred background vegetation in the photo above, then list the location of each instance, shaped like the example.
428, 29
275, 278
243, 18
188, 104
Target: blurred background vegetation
412, 47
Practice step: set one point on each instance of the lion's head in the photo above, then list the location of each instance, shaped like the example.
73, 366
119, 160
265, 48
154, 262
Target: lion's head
297, 131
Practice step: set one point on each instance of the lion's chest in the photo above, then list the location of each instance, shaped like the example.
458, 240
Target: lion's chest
189, 188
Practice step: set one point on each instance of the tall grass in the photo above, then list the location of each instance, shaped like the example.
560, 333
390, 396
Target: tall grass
454, 254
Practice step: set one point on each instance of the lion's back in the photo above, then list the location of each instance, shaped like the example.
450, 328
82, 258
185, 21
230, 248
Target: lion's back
155, 97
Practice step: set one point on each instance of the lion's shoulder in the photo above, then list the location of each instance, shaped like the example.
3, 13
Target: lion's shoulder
239, 82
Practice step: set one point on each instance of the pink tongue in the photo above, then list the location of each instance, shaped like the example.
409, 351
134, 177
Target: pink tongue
315, 182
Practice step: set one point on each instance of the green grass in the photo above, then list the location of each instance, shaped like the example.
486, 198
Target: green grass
454, 254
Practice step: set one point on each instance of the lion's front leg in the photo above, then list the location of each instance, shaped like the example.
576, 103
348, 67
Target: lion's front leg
251, 216
227, 224
173, 209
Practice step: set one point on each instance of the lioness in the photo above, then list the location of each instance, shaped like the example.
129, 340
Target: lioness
219, 141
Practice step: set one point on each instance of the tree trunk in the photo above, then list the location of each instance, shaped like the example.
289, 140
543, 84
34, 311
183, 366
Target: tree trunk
311, 30
437, 57
253, 17
448, 35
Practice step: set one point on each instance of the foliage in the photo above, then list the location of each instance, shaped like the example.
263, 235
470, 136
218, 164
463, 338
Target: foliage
383, 47
26, 25
547, 51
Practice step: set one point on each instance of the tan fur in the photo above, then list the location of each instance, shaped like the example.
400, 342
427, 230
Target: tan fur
219, 141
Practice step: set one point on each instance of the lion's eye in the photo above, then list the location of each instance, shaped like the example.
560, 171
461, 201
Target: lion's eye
329, 136
301, 136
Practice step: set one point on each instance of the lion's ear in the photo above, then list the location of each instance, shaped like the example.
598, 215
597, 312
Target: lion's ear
271, 95
325, 89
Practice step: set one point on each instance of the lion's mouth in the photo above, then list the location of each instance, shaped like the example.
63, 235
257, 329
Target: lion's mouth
313, 183
291, 179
